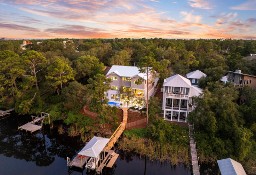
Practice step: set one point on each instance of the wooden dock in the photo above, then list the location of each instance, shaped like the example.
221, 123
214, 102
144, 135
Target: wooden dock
194, 158
118, 132
36, 123
4, 113
107, 157
112, 160
108, 161
78, 161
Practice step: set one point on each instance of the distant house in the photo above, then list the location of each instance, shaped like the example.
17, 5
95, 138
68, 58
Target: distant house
195, 76
25, 44
129, 85
224, 79
177, 98
230, 167
240, 79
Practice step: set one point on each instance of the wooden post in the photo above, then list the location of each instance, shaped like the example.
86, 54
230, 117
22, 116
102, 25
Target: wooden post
147, 95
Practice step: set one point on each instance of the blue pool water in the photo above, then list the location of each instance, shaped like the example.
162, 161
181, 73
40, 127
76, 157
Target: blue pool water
112, 103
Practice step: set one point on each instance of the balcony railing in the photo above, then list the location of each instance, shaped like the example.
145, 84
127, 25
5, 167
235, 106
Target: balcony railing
177, 108
177, 95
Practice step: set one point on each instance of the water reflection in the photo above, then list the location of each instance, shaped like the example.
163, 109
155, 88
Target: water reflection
45, 152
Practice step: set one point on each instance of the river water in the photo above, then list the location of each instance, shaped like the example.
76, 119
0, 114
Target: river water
45, 152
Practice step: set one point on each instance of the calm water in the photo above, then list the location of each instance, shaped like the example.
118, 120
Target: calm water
45, 152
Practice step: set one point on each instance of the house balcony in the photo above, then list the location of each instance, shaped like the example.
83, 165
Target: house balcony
176, 95
177, 108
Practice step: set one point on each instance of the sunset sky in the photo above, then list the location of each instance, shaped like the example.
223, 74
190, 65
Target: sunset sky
128, 19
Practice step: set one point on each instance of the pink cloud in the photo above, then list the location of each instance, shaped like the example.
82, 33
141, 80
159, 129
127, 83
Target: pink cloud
201, 4
248, 5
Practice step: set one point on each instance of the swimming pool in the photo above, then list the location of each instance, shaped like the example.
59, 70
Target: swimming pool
112, 103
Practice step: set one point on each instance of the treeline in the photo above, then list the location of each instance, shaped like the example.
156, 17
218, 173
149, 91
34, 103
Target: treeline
61, 77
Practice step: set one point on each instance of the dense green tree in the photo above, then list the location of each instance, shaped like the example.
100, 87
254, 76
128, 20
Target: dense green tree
154, 108
34, 62
217, 117
11, 69
87, 66
122, 57
74, 96
59, 72
97, 86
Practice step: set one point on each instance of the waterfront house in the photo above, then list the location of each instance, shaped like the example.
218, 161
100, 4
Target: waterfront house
129, 85
240, 79
177, 98
195, 76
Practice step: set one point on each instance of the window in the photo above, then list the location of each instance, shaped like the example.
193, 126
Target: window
113, 78
169, 102
193, 80
184, 104
126, 79
187, 91
112, 96
139, 81
176, 90
114, 88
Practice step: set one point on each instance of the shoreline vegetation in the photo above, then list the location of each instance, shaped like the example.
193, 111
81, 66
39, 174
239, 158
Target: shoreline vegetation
60, 80
173, 152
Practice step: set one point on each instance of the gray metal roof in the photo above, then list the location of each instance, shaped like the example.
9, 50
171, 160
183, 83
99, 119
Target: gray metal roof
230, 167
127, 71
177, 81
94, 147
196, 74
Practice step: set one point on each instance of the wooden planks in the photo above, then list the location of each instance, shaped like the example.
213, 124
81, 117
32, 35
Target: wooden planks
33, 126
30, 127
108, 161
118, 132
112, 160
78, 161
194, 159
4, 113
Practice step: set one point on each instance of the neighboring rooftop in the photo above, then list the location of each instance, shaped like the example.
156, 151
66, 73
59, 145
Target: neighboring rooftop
94, 147
126, 71
177, 81
240, 73
197, 74
230, 167
195, 91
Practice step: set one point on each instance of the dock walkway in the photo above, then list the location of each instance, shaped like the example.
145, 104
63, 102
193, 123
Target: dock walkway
194, 158
118, 132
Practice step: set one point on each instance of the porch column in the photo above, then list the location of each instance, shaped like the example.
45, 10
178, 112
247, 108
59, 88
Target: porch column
179, 110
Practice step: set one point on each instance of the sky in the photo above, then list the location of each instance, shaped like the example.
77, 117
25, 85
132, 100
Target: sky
178, 19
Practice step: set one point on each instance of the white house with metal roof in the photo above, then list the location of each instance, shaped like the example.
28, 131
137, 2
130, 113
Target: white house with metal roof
195, 76
230, 167
129, 85
177, 98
